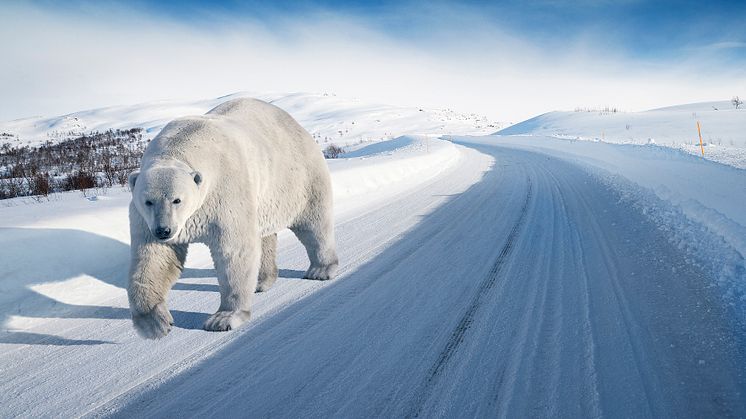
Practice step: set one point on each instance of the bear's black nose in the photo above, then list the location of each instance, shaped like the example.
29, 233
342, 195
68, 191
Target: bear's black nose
163, 232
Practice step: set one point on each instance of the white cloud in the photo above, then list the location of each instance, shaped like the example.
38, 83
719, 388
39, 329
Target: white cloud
63, 62
726, 45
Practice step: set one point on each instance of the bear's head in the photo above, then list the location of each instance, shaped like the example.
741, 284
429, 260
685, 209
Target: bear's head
165, 197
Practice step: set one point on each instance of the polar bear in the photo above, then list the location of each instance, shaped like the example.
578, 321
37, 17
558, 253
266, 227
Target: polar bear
231, 179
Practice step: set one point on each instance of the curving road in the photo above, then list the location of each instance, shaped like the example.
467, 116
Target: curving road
534, 292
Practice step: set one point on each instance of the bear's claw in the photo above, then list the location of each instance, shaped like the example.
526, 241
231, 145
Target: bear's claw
226, 320
154, 324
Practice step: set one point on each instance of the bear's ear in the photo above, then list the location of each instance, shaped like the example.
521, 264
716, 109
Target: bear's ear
197, 177
132, 179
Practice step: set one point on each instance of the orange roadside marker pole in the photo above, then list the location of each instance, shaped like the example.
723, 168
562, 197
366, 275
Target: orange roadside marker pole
702, 147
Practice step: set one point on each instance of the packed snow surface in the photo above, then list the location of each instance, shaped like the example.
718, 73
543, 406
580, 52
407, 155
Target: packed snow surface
495, 276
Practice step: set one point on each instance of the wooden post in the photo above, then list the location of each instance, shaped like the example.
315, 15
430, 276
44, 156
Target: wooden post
702, 147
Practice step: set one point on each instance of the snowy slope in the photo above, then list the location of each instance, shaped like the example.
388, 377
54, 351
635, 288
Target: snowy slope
328, 118
723, 128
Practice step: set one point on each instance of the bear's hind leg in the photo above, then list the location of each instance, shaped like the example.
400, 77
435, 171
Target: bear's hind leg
319, 243
236, 252
268, 266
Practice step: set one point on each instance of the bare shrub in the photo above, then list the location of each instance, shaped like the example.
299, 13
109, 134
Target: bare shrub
332, 151
81, 181
40, 185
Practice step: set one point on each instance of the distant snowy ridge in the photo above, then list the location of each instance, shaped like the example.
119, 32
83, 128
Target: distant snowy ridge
723, 128
330, 119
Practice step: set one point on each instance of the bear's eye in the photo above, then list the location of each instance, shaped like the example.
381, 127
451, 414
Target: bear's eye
177, 201
148, 203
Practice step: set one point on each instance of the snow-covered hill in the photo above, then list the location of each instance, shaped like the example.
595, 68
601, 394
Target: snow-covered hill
723, 128
330, 119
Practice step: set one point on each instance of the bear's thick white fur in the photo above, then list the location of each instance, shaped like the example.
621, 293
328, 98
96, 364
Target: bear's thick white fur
231, 179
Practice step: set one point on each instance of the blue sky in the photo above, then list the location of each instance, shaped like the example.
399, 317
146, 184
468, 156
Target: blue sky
509, 60
644, 29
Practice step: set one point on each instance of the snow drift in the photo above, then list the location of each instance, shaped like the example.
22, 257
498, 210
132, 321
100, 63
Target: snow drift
723, 128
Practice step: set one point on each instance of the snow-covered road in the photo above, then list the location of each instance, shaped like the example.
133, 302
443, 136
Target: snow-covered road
513, 284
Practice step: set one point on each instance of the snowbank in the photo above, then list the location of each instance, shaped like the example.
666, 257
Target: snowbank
723, 128
388, 168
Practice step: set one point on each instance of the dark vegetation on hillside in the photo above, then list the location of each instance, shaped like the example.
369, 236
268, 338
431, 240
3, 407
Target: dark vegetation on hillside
97, 160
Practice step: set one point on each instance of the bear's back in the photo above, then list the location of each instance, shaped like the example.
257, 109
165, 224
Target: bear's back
184, 136
241, 133
241, 107
264, 120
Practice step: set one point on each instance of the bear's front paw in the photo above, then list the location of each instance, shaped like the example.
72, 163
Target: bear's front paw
154, 324
226, 320
322, 272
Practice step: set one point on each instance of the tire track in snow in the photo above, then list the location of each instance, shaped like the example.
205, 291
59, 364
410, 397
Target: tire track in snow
541, 360
459, 332
591, 403
519, 359
649, 385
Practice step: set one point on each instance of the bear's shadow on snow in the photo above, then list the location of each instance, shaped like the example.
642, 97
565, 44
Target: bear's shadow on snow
45, 257
192, 320
33, 263
195, 273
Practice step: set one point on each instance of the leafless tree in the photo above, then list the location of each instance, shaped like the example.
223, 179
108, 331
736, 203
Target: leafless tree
736, 101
